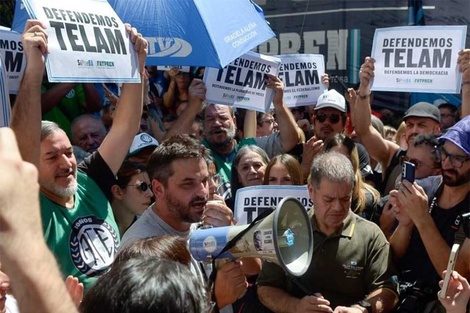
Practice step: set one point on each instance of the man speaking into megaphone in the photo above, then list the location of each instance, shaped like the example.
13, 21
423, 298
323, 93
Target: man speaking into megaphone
179, 178
350, 269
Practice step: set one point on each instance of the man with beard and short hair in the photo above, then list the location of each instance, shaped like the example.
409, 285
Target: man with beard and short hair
219, 132
179, 177
77, 218
429, 224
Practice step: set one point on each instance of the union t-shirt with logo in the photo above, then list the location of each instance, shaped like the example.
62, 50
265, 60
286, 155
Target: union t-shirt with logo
83, 239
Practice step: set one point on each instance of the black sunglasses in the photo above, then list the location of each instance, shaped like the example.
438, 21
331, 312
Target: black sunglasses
334, 118
143, 186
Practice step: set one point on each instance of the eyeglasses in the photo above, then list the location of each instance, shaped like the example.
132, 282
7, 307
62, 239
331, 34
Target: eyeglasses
143, 186
334, 118
268, 121
454, 159
417, 163
216, 178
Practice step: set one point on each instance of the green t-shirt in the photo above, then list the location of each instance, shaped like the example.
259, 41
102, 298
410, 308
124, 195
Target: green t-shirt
84, 239
70, 107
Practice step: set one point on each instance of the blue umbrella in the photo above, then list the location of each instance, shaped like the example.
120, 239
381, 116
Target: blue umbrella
195, 32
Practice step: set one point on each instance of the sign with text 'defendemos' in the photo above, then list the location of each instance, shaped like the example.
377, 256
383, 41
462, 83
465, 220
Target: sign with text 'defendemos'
252, 201
87, 42
242, 82
11, 51
418, 58
301, 74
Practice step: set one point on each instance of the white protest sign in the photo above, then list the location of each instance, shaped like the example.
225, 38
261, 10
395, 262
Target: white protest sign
418, 58
254, 200
241, 83
301, 74
87, 42
14, 59
184, 69
5, 107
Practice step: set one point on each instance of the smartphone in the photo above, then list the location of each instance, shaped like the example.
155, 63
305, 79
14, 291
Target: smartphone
408, 172
450, 268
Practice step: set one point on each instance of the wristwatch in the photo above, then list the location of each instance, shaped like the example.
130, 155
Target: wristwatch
366, 305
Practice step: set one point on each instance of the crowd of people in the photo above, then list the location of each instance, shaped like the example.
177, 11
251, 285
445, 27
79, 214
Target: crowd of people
114, 178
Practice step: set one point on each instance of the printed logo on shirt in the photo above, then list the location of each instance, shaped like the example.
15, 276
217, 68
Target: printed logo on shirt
352, 270
93, 245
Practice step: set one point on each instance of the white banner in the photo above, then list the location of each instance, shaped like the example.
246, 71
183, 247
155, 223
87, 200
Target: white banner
241, 83
301, 74
14, 59
252, 201
418, 58
87, 42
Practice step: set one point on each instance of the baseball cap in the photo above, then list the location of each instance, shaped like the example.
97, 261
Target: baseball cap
423, 109
331, 99
142, 141
459, 135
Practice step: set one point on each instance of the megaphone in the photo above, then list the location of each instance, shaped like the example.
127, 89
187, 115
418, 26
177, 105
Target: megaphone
284, 237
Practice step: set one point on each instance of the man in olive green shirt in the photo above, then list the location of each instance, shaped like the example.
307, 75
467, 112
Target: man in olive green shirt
350, 269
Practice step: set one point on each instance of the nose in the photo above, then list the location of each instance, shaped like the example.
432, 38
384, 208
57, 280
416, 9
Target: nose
66, 162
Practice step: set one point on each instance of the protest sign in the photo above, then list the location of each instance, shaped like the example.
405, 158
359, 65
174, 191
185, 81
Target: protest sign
14, 59
4, 96
301, 74
241, 83
254, 200
184, 69
418, 58
87, 42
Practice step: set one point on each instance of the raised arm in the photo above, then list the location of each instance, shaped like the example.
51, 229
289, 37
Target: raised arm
379, 149
26, 115
33, 270
290, 134
197, 94
129, 109
464, 66
249, 124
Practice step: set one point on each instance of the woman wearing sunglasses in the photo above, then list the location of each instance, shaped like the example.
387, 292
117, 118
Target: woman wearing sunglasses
131, 194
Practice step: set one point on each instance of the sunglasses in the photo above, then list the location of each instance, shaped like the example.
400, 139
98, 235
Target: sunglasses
334, 118
143, 186
417, 163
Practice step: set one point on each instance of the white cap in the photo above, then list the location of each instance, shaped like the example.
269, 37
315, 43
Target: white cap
141, 141
331, 99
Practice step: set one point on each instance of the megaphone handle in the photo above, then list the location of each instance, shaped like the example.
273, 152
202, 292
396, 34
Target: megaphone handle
302, 286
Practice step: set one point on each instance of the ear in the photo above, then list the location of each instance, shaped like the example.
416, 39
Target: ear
117, 192
157, 188
311, 191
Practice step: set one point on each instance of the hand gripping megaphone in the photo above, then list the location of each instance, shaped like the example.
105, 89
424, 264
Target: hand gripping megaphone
284, 237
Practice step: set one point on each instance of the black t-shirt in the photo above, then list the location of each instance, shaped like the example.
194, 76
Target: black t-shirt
98, 170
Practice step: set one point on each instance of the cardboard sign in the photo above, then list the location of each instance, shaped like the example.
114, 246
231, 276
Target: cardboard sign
87, 42
418, 58
241, 83
14, 59
301, 74
252, 201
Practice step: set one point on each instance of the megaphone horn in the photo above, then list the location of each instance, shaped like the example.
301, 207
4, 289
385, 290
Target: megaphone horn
284, 237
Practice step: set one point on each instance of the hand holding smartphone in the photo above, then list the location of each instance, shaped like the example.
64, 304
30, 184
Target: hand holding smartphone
450, 268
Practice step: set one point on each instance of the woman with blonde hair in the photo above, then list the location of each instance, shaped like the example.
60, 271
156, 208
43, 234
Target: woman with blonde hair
365, 197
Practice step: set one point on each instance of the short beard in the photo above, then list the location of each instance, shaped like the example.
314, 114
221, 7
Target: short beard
221, 145
180, 210
459, 180
61, 191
